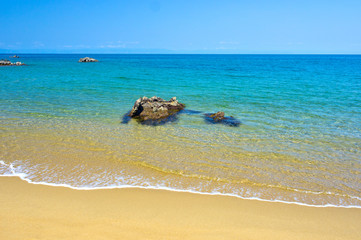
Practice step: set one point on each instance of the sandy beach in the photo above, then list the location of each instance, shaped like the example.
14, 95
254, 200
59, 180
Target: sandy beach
30, 211
180, 120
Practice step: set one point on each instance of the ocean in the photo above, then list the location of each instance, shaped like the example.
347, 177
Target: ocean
62, 123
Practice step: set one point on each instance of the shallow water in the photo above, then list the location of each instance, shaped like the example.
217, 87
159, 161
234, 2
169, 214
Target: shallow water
299, 139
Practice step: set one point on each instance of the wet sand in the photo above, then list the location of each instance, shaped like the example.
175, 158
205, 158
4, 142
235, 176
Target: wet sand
29, 211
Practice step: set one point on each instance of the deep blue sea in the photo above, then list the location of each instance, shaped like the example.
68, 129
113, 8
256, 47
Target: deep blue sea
62, 123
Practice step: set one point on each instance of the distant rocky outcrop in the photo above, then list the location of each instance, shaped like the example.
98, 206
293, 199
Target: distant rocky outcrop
155, 108
15, 56
219, 117
8, 63
88, 59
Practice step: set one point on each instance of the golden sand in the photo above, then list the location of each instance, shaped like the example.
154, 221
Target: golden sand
30, 212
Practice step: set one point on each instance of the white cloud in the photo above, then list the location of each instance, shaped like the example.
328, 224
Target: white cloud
113, 46
228, 42
81, 46
118, 44
38, 44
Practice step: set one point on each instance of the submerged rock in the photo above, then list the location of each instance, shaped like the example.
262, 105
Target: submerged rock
88, 59
155, 110
219, 117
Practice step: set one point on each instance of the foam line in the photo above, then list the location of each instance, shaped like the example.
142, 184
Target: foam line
23, 176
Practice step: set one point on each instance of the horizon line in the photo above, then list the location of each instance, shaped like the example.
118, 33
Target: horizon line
57, 53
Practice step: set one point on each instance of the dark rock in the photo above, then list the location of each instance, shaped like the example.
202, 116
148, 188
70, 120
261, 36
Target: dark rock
87, 59
155, 110
219, 117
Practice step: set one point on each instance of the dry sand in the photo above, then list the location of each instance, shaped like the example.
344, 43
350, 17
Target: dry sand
30, 212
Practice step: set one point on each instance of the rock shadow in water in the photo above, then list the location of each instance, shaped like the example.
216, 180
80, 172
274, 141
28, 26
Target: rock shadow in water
126, 118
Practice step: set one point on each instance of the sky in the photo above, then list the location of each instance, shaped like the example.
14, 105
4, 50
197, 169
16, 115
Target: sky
181, 26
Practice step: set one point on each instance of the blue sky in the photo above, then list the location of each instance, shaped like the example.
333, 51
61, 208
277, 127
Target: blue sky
194, 26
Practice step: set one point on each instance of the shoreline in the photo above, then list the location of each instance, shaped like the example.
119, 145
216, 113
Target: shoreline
34, 211
176, 190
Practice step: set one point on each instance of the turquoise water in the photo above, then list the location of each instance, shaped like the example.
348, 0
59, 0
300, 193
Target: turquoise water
299, 138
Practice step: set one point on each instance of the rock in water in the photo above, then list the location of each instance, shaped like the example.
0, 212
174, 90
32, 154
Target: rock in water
155, 108
8, 63
88, 59
219, 117
5, 62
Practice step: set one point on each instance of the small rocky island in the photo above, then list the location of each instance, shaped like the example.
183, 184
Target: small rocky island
87, 59
4, 62
15, 56
155, 108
